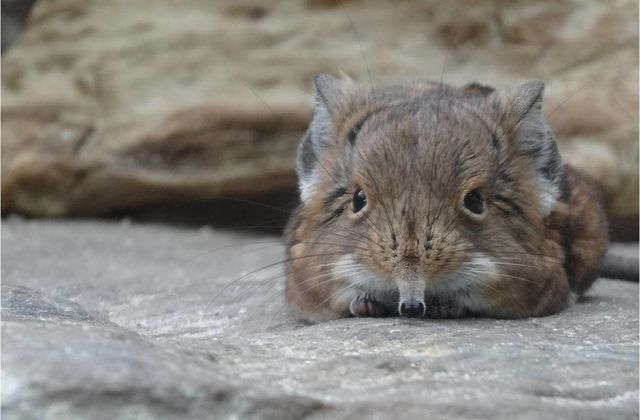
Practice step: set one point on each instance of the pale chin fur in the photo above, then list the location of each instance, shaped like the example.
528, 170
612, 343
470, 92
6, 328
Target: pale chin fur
480, 269
362, 280
476, 274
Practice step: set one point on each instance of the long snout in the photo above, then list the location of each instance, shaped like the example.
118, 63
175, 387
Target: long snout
411, 303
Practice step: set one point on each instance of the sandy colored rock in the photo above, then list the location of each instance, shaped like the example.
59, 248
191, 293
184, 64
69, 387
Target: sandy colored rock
116, 320
108, 106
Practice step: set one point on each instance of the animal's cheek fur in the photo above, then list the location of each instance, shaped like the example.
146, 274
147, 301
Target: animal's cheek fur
532, 284
438, 270
378, 263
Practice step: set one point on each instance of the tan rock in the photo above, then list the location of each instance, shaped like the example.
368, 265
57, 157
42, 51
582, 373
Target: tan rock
113, 105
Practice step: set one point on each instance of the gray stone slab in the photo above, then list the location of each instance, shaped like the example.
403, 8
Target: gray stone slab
117, 320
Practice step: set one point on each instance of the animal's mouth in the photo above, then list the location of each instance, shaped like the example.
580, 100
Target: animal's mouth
410, 294
444, 296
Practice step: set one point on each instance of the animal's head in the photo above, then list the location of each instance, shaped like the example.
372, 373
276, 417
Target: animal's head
426, 186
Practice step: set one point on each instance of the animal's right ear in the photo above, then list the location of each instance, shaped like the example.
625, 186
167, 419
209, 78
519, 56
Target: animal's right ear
522, 107
332, 97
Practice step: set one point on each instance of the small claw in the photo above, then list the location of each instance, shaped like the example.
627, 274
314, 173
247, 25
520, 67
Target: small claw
367, 306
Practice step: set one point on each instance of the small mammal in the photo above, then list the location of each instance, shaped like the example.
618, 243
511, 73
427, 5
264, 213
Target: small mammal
423, 199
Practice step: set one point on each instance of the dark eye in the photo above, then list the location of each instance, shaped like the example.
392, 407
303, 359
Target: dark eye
473, 202
359, 200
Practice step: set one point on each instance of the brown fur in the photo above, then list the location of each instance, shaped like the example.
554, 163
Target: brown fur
583, 230
421, 148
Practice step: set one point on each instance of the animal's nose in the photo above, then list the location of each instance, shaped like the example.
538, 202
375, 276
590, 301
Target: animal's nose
412, 308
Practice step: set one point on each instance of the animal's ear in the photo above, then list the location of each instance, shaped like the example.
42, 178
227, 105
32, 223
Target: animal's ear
523, 105
531, 135
332, 93
525, 101
332, 98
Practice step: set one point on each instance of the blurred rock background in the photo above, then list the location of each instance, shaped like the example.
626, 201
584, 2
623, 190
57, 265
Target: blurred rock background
157, 107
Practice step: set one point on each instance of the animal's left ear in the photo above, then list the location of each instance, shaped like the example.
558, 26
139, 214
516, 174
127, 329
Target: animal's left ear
531, 135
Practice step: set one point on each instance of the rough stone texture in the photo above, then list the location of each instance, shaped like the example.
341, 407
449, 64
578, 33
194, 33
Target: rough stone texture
112, 105
117, 320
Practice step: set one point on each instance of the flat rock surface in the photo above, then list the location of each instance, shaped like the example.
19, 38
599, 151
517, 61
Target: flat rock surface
118, 320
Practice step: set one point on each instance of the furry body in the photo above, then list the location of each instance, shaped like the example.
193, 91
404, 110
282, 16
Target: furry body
428, 200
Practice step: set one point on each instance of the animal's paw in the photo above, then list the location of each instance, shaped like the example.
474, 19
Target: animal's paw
444, 307
367, 306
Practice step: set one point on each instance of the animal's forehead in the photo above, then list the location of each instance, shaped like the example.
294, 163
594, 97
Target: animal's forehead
448, 118
406, 138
